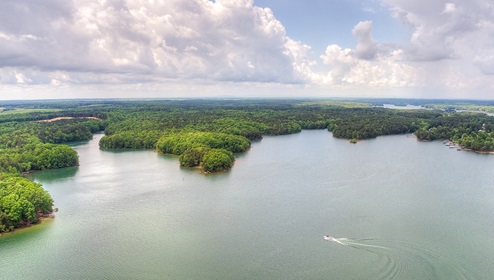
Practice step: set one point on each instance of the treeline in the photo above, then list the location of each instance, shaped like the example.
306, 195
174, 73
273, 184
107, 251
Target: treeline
469, 130
26, 145
22, 202
204, 133
365, 123
63, 131
212, 151
29, 115
31, 154
142, 125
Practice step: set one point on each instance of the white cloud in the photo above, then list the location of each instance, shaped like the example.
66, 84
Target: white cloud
453, 41
440, 29
128, 43
225, 40
449, 8
366, 46
341, 62
368, 64
21, 79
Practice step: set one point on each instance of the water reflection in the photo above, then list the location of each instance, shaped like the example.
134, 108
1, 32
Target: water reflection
50, 176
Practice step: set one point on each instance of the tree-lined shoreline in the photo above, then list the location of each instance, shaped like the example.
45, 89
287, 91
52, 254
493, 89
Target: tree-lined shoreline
204, 134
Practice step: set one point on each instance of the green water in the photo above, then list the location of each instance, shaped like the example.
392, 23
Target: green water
400, 209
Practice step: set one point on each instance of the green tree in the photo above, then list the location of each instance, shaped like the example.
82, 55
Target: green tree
217, 160
193, 157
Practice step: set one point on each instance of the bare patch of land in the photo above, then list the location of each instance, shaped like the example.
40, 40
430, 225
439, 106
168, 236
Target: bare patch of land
70, 118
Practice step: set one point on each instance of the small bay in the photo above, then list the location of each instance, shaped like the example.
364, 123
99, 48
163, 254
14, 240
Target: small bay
399, 209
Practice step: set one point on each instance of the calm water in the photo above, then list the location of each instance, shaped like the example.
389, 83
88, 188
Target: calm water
399, 208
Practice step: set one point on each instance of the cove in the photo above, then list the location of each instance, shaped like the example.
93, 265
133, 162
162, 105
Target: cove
402, 209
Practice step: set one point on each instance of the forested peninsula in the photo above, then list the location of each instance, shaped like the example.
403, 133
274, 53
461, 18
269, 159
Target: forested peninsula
205, 134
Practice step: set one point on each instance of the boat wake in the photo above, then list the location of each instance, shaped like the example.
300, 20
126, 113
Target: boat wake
352, 243
388, 259
337, 240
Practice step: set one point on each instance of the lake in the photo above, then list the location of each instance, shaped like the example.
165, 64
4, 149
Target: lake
398, 209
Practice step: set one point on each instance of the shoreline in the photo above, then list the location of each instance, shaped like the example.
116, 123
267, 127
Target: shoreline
458, 147
43, 221
477, 152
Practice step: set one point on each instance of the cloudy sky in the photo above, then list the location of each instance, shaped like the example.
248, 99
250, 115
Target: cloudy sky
223, 48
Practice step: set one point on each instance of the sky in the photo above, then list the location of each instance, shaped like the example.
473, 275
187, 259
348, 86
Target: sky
246, 48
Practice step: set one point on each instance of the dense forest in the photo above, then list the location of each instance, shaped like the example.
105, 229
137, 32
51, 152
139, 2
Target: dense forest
22, 202
27, 144
203, 133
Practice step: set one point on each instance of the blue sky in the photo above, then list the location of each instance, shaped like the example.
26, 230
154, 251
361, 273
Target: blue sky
246, 48
320, 23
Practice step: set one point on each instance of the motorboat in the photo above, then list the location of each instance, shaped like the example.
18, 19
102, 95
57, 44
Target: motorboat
329, 238
332, 239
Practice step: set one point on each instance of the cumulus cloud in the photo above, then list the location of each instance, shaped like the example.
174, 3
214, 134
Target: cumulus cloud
368, 64
341, 62
366, 47
133, 42
452, 40
387, 70
225, 40
440, 29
